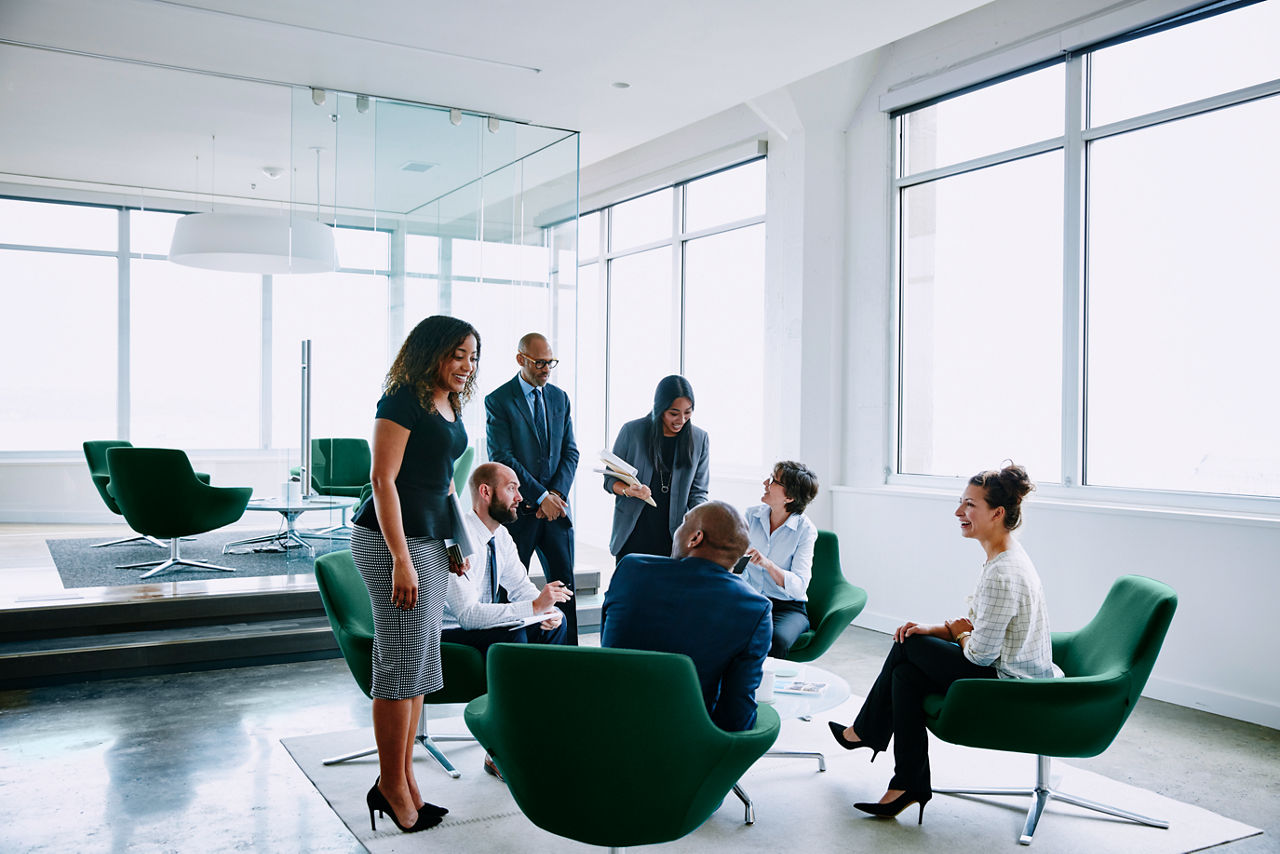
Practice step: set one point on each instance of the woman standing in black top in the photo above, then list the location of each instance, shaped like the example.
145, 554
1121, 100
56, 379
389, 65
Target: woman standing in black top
397, 541
671, 458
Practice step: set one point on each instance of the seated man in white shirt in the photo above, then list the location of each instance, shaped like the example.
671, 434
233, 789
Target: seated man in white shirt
483, 604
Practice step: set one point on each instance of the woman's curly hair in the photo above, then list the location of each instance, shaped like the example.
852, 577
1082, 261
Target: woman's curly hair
422, 356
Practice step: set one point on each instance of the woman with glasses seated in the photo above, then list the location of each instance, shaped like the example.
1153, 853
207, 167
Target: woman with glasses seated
1005, 635
670, 455
779, 562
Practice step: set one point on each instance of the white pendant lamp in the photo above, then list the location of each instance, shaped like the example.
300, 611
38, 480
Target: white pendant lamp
253, 243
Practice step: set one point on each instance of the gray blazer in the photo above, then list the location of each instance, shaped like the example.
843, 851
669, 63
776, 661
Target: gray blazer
688, 483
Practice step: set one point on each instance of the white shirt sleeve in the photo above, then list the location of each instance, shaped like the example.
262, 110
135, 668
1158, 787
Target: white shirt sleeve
465, 592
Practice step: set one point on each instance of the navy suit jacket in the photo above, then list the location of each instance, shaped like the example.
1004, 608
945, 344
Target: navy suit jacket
512, 442
698, 608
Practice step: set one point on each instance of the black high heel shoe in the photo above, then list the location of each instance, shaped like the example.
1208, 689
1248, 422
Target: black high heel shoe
378, 801
431, 808
838, 731
898, 804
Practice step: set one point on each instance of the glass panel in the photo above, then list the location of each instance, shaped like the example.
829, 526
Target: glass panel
361, 248
644, 333
421, 300
491, 260
196, 345
1219, 54
58, 341
25, 223
982, 321
724, 314
727, 196
345, 316
589, 236
421, 254
1183, 300
640, 221
593, 513
999, 117
151, 232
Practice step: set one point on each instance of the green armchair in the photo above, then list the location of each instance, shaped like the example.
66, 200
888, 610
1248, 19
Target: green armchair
1105, 666
95, 454
346, 602
339, 467
160, 496
645, 765
833, 603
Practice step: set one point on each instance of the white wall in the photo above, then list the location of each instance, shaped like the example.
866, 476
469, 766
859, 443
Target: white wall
901, 544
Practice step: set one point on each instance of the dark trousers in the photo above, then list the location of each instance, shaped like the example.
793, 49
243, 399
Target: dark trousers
553, 542
482, 639
915, 668
790, 620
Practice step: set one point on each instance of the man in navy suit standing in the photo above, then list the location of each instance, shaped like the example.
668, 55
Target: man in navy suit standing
529, 429
692, 603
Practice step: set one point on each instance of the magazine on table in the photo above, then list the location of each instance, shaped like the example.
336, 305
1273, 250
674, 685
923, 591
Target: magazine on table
799, 686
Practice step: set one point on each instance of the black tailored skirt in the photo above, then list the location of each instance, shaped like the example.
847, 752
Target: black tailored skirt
406, 643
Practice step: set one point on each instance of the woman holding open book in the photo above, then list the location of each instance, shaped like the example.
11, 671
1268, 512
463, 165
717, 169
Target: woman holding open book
397, 541
669, 456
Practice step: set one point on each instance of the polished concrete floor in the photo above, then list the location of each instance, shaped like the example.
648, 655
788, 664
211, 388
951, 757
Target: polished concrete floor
193, 763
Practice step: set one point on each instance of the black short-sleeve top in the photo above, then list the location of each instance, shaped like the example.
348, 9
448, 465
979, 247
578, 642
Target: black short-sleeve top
426, 470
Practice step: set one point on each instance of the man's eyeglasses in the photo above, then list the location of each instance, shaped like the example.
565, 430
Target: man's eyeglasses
540, 363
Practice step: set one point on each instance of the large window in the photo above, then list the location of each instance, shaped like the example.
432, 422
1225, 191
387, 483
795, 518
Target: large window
1086, 266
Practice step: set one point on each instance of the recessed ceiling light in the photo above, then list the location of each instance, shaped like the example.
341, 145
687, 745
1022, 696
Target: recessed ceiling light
416, 166
621, 85
272, 172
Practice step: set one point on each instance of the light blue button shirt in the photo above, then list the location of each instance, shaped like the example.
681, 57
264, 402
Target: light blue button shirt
790, 547
528, 398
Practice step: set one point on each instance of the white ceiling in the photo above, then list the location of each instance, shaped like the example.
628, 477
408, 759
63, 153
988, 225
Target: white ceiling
551, 63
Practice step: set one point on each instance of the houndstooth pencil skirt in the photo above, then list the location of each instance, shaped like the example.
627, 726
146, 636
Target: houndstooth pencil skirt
406, 643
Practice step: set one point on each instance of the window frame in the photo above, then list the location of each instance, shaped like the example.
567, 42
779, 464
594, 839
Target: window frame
1073, 490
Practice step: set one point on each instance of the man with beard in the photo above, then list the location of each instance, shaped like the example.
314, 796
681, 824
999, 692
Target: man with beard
483, 604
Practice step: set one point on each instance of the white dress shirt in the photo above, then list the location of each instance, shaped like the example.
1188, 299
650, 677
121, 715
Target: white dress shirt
790, 547
468, 603
1010, 618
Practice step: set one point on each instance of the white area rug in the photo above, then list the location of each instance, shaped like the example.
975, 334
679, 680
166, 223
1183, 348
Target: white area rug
797, 808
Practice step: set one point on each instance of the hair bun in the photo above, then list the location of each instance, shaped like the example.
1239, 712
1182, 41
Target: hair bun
1015, 479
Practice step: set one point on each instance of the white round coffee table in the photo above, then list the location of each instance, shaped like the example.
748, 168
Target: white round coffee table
291, 510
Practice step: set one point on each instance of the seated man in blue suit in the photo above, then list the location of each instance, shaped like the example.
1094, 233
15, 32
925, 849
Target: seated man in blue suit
692, 603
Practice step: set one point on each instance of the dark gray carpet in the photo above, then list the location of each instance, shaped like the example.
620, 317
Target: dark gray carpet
82, 566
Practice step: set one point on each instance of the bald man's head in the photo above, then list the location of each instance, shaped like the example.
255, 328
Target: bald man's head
714, 531
495, 492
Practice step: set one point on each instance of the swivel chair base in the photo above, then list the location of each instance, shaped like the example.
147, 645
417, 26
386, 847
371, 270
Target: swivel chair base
174, 560
422, 738
140, 538
1040, 796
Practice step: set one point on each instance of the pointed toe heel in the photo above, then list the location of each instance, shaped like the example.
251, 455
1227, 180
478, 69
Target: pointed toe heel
897, 805
837, 730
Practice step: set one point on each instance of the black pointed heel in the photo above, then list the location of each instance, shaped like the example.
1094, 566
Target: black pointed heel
431, 808
897, 805
378, 801
837, 730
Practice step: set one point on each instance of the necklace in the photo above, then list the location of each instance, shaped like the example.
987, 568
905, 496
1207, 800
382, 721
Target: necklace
662, 479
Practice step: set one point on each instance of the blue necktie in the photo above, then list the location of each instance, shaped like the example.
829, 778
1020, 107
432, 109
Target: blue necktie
493, 572
540, 421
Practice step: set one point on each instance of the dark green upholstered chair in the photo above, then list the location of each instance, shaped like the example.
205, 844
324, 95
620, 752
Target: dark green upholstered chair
339, 467
95, 454
1105, 666
645, 763
833, 603
160, 496
346, 602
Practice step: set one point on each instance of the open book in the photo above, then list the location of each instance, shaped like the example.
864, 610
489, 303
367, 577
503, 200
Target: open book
808, 689
616, 466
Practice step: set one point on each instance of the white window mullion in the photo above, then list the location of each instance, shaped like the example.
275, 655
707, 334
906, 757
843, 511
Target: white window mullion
1073, 275
123, 267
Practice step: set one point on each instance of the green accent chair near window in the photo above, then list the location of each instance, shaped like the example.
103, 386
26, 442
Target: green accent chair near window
160, 496
338, 467
95, 454
346, 602
645, 764
1105, 666
833, 603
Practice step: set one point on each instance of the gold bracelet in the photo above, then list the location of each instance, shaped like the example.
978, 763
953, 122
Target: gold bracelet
962, 636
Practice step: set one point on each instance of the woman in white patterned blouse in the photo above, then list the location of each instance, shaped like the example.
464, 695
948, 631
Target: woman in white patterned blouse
1004, 635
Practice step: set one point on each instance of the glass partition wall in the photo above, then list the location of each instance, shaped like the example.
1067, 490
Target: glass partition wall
434, 211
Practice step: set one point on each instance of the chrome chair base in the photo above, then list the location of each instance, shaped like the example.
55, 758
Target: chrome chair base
135, 539
1040, 797
749, 816
174, 560
422, 738
800, 754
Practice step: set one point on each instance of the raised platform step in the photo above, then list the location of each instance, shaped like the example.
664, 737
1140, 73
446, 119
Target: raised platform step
58, 644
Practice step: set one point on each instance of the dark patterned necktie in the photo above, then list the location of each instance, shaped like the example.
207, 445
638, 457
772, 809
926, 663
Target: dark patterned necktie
493, 571
540, 421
